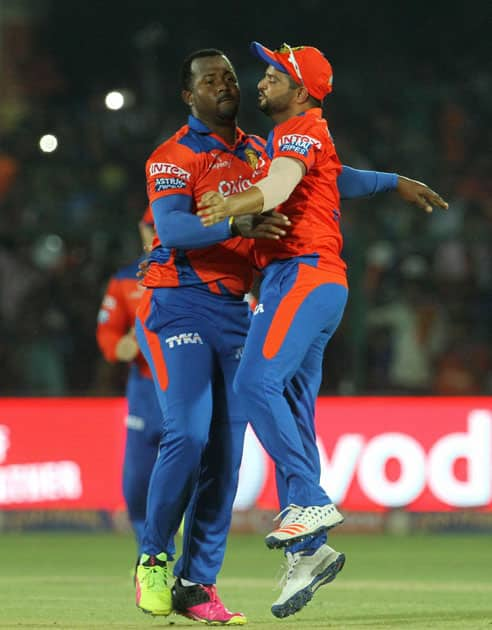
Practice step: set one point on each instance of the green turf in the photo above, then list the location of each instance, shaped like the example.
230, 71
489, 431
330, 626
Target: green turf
82, 581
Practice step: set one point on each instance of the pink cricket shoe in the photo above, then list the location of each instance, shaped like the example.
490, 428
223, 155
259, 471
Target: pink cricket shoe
202, 603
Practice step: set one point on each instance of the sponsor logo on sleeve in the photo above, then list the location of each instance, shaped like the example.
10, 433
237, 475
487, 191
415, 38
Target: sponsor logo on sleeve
298, 143
165, 168
168, 183
170, 176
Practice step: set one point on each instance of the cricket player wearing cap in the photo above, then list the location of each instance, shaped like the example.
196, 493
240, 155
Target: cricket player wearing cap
302, 299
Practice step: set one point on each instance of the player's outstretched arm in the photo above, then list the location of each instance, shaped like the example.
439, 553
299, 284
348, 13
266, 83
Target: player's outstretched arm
353, 183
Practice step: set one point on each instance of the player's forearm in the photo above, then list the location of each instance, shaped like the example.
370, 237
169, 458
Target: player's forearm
183, 230
354, 182
107, 341
283, 176
248, 202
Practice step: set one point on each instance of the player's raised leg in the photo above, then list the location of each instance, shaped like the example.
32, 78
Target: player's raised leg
299, 303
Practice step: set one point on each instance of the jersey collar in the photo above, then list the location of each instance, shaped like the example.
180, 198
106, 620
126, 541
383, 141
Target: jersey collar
197, 125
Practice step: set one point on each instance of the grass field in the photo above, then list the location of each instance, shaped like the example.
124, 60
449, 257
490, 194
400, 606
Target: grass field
82, 581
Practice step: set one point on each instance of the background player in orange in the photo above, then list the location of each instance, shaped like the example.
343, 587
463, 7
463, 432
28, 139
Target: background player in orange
302, 299
116, 338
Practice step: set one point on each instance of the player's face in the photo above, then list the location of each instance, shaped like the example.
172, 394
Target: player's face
275, 92
215, 90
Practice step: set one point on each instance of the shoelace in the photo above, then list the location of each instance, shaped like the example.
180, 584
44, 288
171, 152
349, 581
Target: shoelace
155, 578
291, 561
291, 512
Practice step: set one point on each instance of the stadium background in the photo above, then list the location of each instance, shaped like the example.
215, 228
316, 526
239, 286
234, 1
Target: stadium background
413, 94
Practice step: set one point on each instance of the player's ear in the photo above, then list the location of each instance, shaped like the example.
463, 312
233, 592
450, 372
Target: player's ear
187, 97
302, 95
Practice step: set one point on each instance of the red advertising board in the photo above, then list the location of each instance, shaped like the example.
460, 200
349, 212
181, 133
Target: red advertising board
423, 454
61, 453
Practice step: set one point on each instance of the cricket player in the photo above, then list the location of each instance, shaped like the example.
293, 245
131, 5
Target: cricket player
191, 325
302, 299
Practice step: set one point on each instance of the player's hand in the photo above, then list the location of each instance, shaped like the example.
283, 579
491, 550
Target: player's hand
271, 226
419, 194
212, 208
127, 347
143, 268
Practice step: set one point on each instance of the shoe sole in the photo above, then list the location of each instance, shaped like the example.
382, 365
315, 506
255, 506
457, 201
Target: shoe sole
295, 603
272, 542
238, 621
154, 613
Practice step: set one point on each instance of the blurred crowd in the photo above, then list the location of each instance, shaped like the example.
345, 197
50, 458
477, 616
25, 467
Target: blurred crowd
418, 320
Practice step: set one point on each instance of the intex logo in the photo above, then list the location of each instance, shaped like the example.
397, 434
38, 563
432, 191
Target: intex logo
163, 168
304, 142
234, 186
183, 338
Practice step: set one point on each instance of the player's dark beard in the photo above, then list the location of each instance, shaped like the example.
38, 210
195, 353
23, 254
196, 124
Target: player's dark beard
265, 108
272, 107
228, 110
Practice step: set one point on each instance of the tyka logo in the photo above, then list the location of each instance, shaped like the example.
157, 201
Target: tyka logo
183, 339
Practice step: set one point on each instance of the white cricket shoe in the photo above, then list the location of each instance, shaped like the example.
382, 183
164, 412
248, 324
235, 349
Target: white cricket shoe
304, 575
300, 522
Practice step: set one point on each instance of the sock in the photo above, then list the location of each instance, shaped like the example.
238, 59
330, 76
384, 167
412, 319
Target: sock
186, 582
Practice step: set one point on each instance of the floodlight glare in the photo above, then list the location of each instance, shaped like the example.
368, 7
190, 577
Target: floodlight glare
48, 143
114, 100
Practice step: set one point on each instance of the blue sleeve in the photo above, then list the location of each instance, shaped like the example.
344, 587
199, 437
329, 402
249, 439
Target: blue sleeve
177, 227
355, 183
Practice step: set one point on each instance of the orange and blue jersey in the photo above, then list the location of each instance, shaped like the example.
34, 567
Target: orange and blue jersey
314, 206
194, 161
117, 314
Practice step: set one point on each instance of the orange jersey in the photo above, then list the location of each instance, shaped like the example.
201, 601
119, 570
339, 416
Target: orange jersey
117, 314
314, 206
179, 172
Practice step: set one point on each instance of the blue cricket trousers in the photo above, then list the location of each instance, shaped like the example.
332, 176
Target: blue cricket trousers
300, 308
143, 433
193, 341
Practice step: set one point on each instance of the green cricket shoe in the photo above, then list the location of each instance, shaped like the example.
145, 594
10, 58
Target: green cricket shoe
153, 595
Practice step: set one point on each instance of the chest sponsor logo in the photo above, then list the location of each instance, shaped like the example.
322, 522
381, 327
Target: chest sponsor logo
234, 186
183, 339
220, 161
165, 168
298, 143
169, 183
